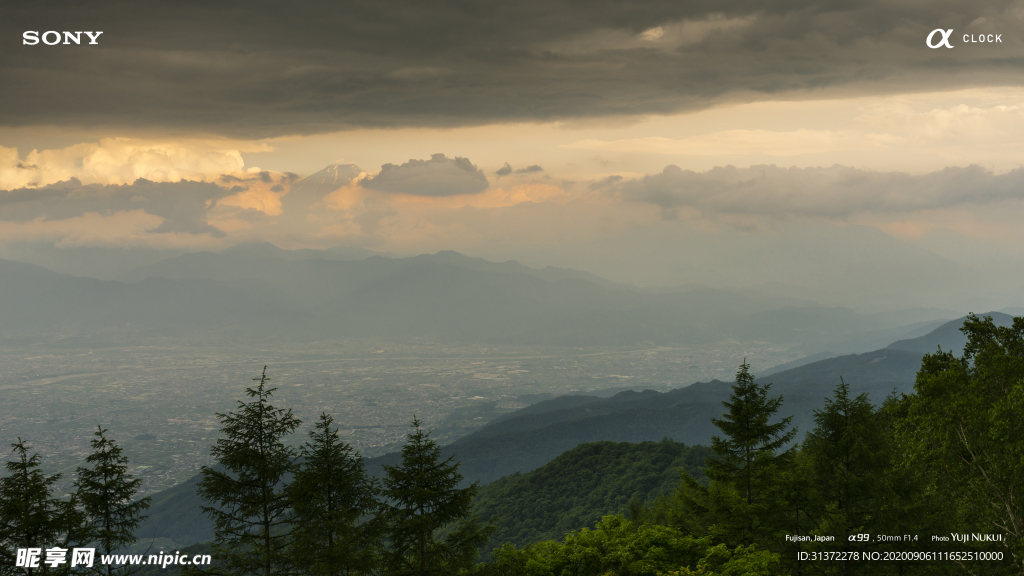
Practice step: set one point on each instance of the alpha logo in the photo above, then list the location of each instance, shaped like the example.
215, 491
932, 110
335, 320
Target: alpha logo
52, 37
943, 42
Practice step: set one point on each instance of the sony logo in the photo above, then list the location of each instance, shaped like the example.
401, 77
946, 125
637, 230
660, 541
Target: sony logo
52, 37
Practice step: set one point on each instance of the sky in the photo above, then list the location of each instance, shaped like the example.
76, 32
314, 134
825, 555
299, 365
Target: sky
826, 147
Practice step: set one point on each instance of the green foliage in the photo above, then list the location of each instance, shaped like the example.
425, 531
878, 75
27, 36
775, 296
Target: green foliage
583, 485
909, 502
799, 496
965, 426
619, 547
30, 516
740, 501
106, 492
849, 450
422, 497
849, 477
251, 512
849, 453
330, 493
720, 560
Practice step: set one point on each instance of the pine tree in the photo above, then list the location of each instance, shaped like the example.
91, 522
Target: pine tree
106, 492
30, 517
331, 494
251, 513
749, 457
849, 453
422, 497
798, 496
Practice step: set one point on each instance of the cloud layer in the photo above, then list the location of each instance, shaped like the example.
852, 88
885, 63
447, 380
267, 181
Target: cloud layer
260, 70
835, 192
446, 203
439, 176
182, 205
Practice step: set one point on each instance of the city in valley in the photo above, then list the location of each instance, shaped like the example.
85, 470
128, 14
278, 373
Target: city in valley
160, 401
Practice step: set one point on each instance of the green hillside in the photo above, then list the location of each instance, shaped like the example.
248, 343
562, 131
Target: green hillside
580, 486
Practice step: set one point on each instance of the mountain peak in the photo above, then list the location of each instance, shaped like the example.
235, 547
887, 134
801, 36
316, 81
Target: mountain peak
314, 187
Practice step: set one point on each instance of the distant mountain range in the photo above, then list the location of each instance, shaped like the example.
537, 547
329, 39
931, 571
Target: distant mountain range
531, 437
34, 300
317, 294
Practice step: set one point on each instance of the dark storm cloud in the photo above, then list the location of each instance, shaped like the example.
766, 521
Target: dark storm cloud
439, 176
262, 69
183, 205
835, 192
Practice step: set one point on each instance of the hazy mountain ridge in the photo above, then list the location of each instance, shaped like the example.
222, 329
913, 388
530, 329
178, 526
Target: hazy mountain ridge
268, 250
550, 405
33, 300
576, 408
446, 296
947, 336
796, 363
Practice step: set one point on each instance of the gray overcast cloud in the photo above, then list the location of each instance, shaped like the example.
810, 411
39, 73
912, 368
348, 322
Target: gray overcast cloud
183, 205
266, 69
835, 192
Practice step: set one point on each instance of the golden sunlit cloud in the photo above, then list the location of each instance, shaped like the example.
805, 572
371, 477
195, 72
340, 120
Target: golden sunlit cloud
263, 194
124, 160
353, 197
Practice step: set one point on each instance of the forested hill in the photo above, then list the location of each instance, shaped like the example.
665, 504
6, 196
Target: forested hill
580, 486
